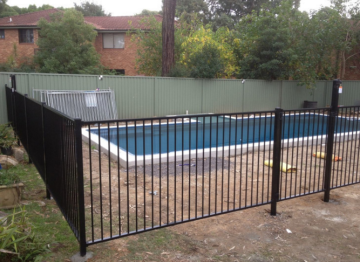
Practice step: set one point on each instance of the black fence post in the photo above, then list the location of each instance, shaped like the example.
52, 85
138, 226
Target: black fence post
330, 137
80, 173
276, 160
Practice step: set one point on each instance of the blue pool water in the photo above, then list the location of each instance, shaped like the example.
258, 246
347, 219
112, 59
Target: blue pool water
212, 131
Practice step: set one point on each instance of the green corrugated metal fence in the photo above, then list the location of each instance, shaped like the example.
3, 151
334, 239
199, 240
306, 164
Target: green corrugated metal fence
138, 97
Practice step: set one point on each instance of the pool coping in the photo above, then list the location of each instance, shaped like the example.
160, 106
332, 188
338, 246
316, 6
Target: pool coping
128, 159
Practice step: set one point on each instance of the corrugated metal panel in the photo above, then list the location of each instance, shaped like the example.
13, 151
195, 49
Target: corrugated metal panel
220, 96
176, 95
138, 97
350, 93
321, 93
261, 95
4, 79
134, 95
61, 82
293, 95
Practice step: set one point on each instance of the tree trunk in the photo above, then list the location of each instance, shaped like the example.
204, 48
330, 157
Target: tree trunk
168, 39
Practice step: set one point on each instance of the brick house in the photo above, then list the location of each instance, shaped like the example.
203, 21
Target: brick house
116, 50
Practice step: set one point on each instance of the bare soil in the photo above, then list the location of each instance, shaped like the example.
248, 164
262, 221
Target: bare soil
305, 229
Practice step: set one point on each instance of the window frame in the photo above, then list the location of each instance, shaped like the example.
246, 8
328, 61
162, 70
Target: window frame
113, 40
2, 34
21, 35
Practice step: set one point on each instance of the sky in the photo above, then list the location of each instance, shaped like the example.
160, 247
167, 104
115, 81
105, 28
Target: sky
131, 7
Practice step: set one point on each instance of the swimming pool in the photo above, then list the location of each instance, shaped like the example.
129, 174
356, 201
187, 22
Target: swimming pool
201, 136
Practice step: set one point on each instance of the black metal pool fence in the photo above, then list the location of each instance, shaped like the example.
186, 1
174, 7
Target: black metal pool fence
106, 192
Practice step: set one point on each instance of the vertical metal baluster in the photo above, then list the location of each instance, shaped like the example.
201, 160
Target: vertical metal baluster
144, 170
297, 155
235, 156
222, 165
337, 138
136, 176
175, 161
264, 157
189, 203
258, 160
152, 173
210, 149
321, 149
342, 150
196, 170
109, 161
182, 169
347, 145
247, 159
216, 162
100, 176
302, 149
203, 168
351, 129
241, 153
167, 171
127, 177
228, 181
91, 186
160, 167
118, 168
269, 169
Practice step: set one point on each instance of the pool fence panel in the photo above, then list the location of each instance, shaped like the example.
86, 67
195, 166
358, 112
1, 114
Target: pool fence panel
116, 178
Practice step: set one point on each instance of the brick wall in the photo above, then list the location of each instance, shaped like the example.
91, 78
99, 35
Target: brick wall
118, 58
23, 49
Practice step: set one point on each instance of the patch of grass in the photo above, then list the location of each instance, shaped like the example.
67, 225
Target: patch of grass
49, 225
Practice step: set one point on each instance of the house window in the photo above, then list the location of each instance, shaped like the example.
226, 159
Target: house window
119, 71
2, 34
26, 36
113, 40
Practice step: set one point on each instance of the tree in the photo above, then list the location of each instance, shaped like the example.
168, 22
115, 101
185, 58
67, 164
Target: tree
149, 43
90, 9
168, 39
146, 12
188, 8
66, 45
229, 12
221, 40
206, 63
2, 5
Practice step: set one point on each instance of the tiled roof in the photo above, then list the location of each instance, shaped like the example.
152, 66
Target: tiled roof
117, 22
30, 19
99, 22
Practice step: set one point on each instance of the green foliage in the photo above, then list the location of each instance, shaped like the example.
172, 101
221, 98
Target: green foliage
9, 177
7, 138
149, 43
90, 9
18, 242
188, 8
222, 40
66, 45
146, 12
206, 63
15, 10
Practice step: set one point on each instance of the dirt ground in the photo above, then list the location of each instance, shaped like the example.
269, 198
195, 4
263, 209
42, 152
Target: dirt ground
306, 228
